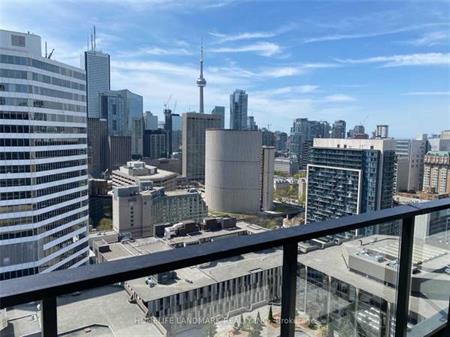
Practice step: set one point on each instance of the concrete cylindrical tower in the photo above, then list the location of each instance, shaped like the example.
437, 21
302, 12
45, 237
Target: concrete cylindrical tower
233, 170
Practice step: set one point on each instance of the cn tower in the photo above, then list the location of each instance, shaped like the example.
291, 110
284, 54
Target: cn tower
201, 82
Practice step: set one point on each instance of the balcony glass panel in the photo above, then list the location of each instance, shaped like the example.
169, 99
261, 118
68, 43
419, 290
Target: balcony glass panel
346, 283
430, 283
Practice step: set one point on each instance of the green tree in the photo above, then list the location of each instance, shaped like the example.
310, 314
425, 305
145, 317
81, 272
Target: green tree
105, 224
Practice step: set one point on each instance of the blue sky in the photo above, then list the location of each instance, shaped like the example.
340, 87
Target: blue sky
362, 61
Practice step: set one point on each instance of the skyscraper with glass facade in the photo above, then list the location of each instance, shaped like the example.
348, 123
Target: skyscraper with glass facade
43, 160
238, 110
124, 111
97, 67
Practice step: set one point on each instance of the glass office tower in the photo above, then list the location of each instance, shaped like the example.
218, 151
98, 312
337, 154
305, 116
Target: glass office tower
43, 160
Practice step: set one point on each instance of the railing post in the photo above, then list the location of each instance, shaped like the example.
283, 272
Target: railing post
404, 276
289, 289
49, 317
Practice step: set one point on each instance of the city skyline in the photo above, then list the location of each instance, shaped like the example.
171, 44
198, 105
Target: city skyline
374, 65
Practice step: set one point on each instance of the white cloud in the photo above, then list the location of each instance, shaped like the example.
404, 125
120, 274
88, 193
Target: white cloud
427, 93
222, 38
260, 48
298, 89
155, 51
431, 39
277, 72
339, 98
404, 60
242, 36
350, 36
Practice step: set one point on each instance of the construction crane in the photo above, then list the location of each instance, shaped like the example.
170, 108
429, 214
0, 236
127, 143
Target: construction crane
167, 102
175, 106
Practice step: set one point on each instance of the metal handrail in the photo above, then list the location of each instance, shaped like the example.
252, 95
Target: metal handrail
47, 286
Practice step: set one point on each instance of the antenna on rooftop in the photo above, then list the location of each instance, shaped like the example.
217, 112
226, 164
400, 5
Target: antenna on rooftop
45, 49
95, 38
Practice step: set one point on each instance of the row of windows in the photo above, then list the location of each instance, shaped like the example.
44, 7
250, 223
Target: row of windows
25, 75
42, 217
37, 103
63, 232
63, 221
60, 176
59, 211
71, 262
15, 142
16, 208
60, 153
16, 221
26, 61
31, 89
39, 116
40, 154
41, 180
68, 254
11, 73
17, 235
17, 273
57, 81
59, 200
40, 167
41, 142
6, 128
49, 190
65, 243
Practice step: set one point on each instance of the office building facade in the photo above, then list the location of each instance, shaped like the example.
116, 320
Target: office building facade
382, 131
136, 211
43, 160
238, 110
303, 132
220, 111
436, 178
97, 137
410, 163
124, 112
193, 143
286, 166
150, 121
98, 80
281, 139
347, 176
339, 129
155, 144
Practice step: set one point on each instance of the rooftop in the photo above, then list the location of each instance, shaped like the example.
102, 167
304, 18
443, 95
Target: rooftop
142, 171
99, 312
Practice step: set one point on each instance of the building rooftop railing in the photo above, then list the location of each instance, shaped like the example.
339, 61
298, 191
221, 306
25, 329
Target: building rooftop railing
46, 287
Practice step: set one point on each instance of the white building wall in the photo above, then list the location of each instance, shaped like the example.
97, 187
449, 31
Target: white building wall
43, 160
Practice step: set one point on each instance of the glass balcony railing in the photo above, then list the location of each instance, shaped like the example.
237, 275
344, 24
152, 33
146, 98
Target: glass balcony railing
384, 273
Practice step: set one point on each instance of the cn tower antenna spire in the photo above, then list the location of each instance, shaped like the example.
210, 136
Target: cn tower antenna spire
201, 82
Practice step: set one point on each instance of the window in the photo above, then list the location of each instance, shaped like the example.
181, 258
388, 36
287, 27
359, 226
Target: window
18, 41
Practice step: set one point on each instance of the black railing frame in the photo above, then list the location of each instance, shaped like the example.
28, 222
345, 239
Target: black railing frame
46, 287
